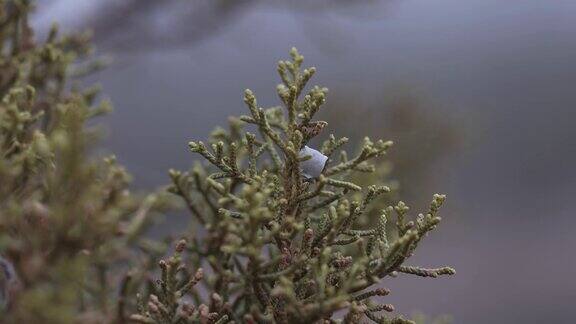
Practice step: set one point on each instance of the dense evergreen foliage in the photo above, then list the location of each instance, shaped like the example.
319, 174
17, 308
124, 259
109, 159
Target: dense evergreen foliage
283, 235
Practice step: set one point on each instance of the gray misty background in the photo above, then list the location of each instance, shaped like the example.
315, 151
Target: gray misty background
501, 73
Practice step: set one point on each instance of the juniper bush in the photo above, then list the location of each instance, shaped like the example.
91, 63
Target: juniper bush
283, 246
283, 233
68, 221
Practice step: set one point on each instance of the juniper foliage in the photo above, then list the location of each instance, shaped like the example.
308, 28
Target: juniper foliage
277, 245
282, 247
67, 219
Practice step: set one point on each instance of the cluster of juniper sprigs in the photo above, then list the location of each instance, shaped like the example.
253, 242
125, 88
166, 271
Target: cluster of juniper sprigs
283, 246
69, 226
276, 241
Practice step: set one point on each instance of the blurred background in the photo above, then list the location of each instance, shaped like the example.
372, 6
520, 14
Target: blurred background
478, 95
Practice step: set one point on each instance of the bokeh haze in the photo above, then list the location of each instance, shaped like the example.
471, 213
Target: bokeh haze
491, 89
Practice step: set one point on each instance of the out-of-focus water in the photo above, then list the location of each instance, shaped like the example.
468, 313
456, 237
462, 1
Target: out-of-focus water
508, 67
